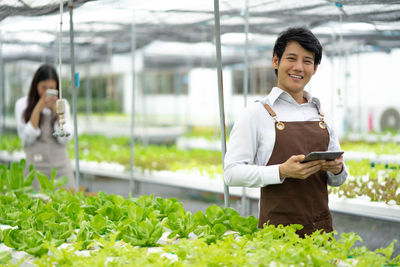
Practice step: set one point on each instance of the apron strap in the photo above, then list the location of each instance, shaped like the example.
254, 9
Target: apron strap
271, 112
278, 124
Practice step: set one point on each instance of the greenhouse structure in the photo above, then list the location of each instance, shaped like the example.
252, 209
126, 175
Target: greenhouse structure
148, 94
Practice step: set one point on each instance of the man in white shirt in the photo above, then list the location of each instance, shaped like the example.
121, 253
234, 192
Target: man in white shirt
272, 136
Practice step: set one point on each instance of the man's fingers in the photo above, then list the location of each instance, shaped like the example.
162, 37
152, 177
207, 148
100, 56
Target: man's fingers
314, 163
313, 169
308, 170
334, 163
293, 168
297, 158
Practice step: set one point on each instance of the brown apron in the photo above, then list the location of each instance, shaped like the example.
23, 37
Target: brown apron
297, 201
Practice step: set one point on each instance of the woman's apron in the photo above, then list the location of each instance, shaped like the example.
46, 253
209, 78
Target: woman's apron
46, 153
297, 201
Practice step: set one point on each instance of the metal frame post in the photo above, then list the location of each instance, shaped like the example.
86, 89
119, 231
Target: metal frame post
2, 91
220, 93
245, 83
74, 93
132, 143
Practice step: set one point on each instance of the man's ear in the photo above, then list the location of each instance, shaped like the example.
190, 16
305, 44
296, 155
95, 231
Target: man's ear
315, 68
275, 62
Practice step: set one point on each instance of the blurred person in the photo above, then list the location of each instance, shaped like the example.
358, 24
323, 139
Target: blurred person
37, 120
272, 136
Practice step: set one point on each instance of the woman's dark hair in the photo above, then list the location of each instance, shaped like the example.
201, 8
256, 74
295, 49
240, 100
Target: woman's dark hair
304, 37
45, 72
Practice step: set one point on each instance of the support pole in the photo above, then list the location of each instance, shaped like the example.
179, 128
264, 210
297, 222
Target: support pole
2, 91
132, 143
145, 85
246, 54
74, 93
88, 98
333, 84
359, 94
220, 93
245, 83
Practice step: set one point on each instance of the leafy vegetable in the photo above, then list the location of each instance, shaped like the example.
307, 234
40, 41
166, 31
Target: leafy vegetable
5, 257
181, 223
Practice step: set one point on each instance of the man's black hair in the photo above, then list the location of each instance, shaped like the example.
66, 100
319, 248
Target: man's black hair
304, 37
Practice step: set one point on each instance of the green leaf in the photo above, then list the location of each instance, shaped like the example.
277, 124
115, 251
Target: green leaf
44, 182
60, 182
172, 234
99, 223
13, 239
135, 212
219, 229
215, 214
37, 251
166, 206
244, 226
30, 177
388, 251
181, 223
200, 217
73, 211
5, 257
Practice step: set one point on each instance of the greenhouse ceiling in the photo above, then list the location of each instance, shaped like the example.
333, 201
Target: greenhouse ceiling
29, 28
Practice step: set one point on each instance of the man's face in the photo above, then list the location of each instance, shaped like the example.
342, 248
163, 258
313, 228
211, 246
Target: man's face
295, 68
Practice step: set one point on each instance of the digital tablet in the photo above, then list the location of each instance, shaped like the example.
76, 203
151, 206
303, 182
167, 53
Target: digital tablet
324, 155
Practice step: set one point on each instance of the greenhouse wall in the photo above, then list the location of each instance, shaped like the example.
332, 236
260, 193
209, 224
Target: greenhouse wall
359, 86
344, 86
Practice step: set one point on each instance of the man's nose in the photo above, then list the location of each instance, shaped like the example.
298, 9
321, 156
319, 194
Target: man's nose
298, 65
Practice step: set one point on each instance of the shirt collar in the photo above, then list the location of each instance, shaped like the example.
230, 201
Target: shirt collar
277, 92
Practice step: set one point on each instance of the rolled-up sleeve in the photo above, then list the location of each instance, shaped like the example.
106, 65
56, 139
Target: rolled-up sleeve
338, 179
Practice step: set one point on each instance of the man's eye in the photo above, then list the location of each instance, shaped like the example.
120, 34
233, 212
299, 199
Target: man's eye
291, 58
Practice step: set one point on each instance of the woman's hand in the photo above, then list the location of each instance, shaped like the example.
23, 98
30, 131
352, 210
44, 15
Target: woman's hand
294, 169
51, 102
40, 105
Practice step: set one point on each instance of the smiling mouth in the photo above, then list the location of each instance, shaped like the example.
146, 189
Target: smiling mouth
296, 76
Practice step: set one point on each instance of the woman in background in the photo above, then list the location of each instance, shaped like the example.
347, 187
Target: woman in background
37, 120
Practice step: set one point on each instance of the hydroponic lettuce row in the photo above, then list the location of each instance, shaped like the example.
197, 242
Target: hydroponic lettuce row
378, 182
56, 228
151, 157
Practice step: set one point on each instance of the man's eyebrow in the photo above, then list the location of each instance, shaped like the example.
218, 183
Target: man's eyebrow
294, 54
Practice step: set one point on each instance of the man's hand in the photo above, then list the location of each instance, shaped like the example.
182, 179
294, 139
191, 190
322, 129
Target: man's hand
334, 166
294, 169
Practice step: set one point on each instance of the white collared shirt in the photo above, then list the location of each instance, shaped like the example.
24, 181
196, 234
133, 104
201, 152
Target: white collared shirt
28, 133
252, 140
